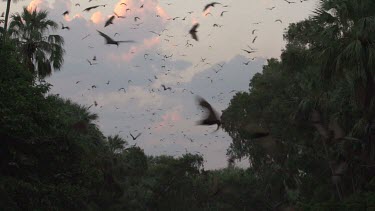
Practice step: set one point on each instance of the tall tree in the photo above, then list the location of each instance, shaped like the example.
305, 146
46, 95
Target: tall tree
346, 47
316, 126
40, 50
347, 52
116, 144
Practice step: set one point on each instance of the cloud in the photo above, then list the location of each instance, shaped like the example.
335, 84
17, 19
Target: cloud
38, 5
170, 118
194, 20
134, 94
97, 17
161, 12
135, 50
149, 9
120, 9
205, 13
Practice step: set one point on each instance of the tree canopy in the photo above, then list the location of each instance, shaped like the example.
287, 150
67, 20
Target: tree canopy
316, 103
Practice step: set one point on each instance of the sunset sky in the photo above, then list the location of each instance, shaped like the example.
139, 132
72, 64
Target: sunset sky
213, 67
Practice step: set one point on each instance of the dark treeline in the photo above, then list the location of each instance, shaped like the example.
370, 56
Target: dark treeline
317, 103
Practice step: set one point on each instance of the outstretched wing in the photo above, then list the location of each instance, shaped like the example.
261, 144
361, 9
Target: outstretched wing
132, 136
106, 37
206, 7
138, 135
212, 114
212, 4
90, 8
127, 41
109, 21
193, 31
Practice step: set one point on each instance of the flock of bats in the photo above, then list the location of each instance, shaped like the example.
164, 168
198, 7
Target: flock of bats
211, 117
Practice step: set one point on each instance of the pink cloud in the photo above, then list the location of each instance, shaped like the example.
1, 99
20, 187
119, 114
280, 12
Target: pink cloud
77, 16
194, 21
37, 5
135, 50
169, 118
120, 9
149, 7
161, 12
204, 14
67, 18
97, 17
147, 44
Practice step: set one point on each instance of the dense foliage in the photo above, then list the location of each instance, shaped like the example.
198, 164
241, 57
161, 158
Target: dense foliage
317, 103
40, 50
52, 157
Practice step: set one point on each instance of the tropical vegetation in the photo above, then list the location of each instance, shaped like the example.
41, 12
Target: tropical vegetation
317, 102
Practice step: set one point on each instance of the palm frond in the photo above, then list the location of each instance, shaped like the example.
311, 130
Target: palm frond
31, 29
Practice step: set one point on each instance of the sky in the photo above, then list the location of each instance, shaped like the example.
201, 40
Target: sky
215, 67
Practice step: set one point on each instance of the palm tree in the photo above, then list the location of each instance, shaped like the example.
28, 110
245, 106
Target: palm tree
116, 144
348, 52
347, 45
40, 50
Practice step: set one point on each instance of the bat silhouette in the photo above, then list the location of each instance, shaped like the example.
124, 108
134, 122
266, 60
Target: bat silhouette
222, 13
93, 7
109, 21
134, 138
332, 131
247, 51
193, 31
64, 27
212, 116
91, 62
210, 5
166, 88
290, 2
278, 20
119, 16
85, 37
155, 33
110, 41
